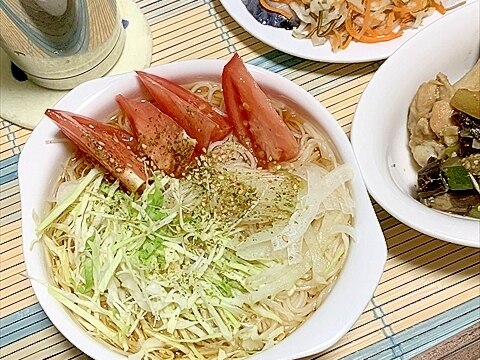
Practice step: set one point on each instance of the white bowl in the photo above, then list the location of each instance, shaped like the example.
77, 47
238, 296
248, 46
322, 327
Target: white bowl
40, 162
379, 132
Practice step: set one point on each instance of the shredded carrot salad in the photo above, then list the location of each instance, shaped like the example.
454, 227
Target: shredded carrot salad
366, 21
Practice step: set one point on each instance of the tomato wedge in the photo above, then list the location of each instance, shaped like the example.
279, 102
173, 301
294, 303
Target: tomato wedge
160, 137
107, 130
196, 124
223, 126
257, 125
102, 143
237, 113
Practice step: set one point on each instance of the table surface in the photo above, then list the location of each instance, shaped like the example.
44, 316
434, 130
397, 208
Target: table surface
428, 297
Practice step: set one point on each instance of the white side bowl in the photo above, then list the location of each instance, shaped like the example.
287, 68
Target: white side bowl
356, 52
379, 132
40, 162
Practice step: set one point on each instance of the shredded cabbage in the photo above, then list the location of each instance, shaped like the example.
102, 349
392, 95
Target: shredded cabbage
211, 265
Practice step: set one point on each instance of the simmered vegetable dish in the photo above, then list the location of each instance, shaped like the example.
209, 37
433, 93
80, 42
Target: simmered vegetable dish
444, 125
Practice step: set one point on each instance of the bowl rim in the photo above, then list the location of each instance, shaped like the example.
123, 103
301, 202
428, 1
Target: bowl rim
402, 205
366, 218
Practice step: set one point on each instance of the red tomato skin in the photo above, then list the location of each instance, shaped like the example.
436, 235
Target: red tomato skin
160, 137
223, 127
108, 130
270, 137
103, 146
238, 114
195, 123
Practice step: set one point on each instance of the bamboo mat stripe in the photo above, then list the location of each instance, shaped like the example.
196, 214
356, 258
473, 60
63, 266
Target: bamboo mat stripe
464, 345
418, 338
428, 292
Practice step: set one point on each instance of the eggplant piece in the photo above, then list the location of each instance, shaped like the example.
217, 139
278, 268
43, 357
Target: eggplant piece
468, 124
430, 180
466, 148
459, 202
265, 17
469, 134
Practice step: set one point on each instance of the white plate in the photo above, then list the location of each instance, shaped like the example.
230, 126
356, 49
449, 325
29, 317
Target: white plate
283, 40
40, 163
379, 132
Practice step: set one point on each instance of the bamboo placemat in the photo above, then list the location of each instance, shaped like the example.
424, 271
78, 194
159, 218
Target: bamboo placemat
430, 290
